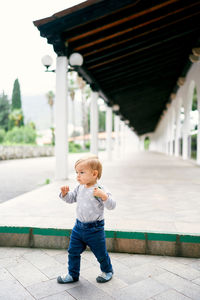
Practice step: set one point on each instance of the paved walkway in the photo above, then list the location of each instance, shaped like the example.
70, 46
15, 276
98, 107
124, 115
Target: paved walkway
154, 193
27, 274
18, 176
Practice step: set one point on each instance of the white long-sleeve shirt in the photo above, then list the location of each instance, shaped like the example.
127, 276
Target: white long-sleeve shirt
89, 208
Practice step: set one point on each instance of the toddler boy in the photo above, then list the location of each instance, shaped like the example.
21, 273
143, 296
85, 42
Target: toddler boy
91, 199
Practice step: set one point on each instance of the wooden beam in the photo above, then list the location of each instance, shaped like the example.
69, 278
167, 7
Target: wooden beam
150, 70
166, 47
121, 42
138, 50
130, 29
123, 20
141, 65
141, 58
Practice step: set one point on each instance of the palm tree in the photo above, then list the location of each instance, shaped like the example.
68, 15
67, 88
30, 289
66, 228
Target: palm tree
50, 97
82, 85
16, 117
72, 88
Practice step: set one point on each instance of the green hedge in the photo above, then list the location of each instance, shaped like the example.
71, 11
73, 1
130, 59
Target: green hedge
194, 146
20, 135
2, 135
75, 148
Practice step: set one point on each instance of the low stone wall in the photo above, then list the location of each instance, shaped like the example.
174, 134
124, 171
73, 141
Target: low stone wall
15, 152
117, 241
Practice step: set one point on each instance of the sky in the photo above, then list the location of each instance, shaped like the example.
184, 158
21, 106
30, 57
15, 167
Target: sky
22, 47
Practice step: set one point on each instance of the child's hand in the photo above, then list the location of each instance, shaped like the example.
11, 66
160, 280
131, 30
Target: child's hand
99, 193
64, 190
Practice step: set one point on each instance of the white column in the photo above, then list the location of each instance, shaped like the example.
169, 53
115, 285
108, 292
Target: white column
178, 127
168, 133
94, 123
186, 126
126, 138
172, 118
122, 128
198, 133
142, 142
117, 135
163, 135
109, 132
170, 130
61, 119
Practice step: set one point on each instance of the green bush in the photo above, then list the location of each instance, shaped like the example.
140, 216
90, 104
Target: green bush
74, 147
146, 143
87, 145
194, 146
21, 135
2, 135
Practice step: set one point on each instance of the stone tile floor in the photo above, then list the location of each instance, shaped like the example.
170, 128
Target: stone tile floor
27, 274
153, 192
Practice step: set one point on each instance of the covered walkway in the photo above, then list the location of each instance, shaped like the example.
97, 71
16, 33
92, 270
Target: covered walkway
157, 200
140, 57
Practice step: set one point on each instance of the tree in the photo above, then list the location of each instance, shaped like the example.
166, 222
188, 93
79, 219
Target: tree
16, 118
16, 106
4, 111
16, 96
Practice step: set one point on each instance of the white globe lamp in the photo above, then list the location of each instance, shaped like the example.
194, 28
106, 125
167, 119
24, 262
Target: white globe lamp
47, 61
76, 59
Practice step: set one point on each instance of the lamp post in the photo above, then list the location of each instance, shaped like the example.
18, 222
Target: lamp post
61, 108
116, 108
109, 132
47, 62
75, 60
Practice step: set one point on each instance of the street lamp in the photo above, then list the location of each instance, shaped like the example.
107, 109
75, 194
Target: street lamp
195, 56
47, 62
61, 108
115, 107
75, 60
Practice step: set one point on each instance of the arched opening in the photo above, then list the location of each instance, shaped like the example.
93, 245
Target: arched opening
194, 126
146, 143
182, 118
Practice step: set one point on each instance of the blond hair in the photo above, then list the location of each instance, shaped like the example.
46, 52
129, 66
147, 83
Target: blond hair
92, 162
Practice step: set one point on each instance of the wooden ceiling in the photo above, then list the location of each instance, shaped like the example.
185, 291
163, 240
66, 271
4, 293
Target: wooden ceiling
134, 51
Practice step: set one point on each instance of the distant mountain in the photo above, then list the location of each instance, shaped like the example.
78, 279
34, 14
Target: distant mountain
37, 110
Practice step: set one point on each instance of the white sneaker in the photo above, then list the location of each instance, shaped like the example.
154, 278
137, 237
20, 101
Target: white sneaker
104, 277
66, 278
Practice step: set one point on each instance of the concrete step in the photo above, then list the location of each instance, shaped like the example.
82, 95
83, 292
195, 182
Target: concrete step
117, 241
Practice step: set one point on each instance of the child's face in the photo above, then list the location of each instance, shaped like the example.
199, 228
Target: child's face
85, 175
